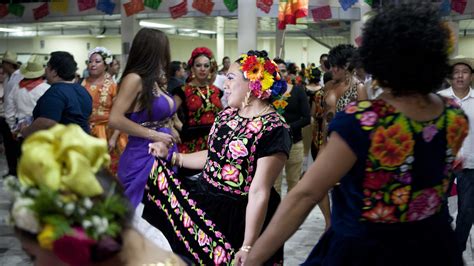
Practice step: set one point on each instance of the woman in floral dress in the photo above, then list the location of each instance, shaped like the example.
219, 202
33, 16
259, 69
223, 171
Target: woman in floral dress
103, 90
216, 218
199, 101
392, 156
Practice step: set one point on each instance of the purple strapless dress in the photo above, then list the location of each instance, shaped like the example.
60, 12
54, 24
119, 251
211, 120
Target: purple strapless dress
135, 163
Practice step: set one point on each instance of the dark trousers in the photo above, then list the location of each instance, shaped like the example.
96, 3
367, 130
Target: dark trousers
465, 218
12, 147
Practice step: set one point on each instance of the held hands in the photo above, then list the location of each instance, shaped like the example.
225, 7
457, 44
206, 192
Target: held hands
158, 149
167, 139
240, 257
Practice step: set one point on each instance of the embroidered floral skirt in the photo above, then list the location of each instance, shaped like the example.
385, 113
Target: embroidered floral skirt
200, 221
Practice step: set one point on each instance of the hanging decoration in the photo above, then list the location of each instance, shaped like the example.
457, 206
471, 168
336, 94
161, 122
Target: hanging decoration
459, 6
265, 5
346, 4
179, 10
231, 5
16, 9
445, 8
370, 2
204, 6
3, 10
41, 11
106, 6
290, 10
153, 4
133, 7
59, 6
321, 13
85, 4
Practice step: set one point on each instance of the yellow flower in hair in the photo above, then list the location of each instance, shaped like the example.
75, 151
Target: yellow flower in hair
267, 81
46, 238
63, 157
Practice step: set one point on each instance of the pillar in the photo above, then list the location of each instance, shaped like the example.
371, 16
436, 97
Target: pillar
247, 33
280, 43
220, 40
128, 28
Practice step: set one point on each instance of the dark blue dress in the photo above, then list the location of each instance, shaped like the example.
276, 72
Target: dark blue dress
389, 209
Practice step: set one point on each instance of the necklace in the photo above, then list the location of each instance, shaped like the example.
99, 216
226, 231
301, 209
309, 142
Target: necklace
204, 97
262, 112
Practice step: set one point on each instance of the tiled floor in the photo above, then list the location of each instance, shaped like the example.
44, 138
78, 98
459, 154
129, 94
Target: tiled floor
296, 248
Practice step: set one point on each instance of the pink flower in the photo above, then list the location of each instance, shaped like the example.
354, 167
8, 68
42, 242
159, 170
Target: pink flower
232, 124
230, 173
424, 205
218, 234
351, 109
381, 213
219, 255
192, 202
238, 149
368, 118
255, 126
429, 132
246, 188
203, 239
74, 248
199, 212
162, 182
187, 222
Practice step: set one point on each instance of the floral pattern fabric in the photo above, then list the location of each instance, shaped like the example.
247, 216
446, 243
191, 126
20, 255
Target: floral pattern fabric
208, 226
200, 106
397, 184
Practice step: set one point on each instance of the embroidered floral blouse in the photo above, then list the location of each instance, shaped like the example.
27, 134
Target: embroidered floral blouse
403, 166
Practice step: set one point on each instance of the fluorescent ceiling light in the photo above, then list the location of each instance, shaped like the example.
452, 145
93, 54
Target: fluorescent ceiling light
206, 32
100, 36
186, 30
9, 30
155, 25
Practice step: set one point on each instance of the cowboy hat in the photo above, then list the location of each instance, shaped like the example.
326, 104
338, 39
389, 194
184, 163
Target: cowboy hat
34, 68
10, 57
462, 60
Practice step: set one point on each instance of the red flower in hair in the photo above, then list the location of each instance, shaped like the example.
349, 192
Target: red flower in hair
270, 67
249, 63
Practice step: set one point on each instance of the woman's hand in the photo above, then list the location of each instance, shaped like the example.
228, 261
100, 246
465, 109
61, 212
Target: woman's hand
112, 143
240, 257
158, 149
166, 138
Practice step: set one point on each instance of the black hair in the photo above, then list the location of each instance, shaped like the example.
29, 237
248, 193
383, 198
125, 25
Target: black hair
64, 65
292, 68
279, 61
405, 49
174, 66
149, 58
315, 75
223, 59
327, 77
340, 55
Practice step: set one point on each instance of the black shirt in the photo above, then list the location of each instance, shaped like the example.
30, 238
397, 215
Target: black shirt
297, 113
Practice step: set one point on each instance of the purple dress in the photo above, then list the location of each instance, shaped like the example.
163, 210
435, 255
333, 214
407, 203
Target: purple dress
135, 163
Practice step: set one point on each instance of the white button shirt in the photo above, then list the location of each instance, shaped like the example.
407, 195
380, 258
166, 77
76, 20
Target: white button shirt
8, 85
467, 105
21, 102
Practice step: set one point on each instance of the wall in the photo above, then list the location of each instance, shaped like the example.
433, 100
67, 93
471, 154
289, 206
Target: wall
466, 46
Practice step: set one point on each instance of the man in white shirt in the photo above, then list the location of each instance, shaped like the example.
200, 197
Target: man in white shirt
463, 94
10, 67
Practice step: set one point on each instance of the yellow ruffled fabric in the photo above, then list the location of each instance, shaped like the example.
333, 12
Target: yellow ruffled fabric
63, 158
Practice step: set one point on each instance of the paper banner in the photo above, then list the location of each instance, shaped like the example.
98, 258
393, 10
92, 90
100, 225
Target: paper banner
321, 13
59, 6
290, 10
459, 6
265, 5
41, 11
16, 9
153, 4
133, 7
445, 8
231, 5
346, 4
3, 10
369, 2
179, 10
106, 6
204, 6
85, 4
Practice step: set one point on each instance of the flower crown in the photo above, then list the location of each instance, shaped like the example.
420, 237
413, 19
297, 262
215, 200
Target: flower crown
59, 198
263, 75
102, 51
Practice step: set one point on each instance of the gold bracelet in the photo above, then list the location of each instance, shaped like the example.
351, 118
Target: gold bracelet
173, 159
246, 248
179, 160
150, 134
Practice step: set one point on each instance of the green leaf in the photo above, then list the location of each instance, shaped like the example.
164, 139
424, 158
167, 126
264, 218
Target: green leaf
403, 207
386, 197
245, 141
231, 183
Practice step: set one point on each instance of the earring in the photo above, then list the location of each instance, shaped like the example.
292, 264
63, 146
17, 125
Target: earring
209, 76
246, 102
193, 76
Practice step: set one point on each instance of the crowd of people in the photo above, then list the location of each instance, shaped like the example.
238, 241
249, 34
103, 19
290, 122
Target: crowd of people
194, 155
